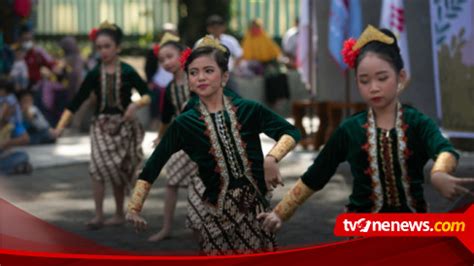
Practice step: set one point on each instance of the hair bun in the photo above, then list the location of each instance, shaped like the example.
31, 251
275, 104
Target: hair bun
227, 51
391, 34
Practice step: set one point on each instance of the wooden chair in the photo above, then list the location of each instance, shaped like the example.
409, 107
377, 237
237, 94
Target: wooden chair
330, 114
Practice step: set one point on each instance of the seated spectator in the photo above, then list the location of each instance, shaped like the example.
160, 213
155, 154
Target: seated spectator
19, 71
8, 97
258, 46
34, 122
264, 57
12, 134
6, 57
36, 57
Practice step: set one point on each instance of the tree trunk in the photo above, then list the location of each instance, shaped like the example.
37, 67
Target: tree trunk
193, 15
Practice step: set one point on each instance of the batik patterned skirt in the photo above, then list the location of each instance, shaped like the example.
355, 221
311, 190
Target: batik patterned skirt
236, 230
116, 146
179, 169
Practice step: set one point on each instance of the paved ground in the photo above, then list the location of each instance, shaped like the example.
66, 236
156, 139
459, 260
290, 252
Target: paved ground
59, 192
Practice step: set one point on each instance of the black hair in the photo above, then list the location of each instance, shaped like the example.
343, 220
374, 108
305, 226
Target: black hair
7, 85
215, 20
23, 93
181, 47
387, 52
221, 58
116, 34
25, 29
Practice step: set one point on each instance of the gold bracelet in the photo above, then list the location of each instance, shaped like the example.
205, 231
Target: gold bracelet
65, 119
284, 145
294, 198
446, 163
144, 100
140, 192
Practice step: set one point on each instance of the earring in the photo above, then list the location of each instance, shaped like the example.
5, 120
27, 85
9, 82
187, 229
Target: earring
223, 84
400, 87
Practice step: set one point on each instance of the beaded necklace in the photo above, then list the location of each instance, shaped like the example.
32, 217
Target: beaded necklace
402, 152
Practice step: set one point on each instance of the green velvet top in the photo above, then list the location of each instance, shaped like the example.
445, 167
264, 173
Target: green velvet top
112, 102
350, 142
189, 132
174, 101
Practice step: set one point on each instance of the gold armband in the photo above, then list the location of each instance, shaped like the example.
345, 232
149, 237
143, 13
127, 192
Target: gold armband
144, 100
140, 192
294, 198
446, 163
65, 119
284, 145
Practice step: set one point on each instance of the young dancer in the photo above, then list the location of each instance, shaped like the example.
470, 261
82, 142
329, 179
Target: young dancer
386, 146
116, 135
179, 168
221, 135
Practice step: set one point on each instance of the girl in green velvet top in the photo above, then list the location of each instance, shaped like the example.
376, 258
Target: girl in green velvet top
221, 134
116, 135
386, 146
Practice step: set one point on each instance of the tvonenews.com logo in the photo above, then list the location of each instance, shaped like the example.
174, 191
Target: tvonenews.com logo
460, 225
364, 225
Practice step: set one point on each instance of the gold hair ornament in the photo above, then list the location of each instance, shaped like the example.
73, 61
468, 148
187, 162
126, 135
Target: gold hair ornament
210, 41
168, 37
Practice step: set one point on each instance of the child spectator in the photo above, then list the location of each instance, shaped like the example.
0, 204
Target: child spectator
12, 133
34, 122
19, 72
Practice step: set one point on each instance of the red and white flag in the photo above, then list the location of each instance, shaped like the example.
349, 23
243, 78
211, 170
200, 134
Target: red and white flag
393, 18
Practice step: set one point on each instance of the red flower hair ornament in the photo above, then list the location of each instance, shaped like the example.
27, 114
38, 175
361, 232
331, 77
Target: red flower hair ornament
156, 49
349, 54
93, 34
184, 56
352, 47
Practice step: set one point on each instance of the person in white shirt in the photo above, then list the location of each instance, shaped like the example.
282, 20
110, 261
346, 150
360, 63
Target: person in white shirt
289, 42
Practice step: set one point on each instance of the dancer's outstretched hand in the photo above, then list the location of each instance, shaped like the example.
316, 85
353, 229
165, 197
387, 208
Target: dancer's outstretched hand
450, 186
56, 132
137, 221
272, 173
271, 221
